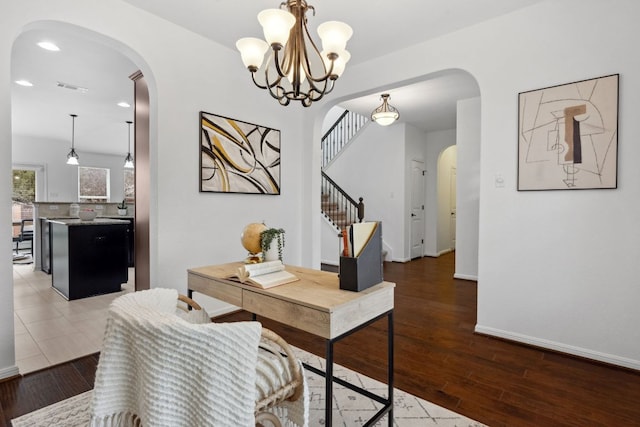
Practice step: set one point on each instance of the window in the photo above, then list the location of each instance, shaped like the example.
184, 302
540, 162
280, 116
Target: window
129, 185
24, 194
93, 184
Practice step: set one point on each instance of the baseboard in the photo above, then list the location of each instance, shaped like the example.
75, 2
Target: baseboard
10, 372
465, 277
437, 254
560, 347
335, 264
400, 259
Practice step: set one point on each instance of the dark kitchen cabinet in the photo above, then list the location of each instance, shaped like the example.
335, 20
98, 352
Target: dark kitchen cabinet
88, 259
45, 246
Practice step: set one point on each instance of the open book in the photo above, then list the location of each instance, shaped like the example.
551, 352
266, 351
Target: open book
265, 275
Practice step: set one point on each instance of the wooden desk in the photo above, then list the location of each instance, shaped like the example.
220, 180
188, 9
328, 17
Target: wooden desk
314, 304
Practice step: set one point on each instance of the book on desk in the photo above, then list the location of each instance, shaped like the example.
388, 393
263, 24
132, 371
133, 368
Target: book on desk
264, 275
361, 258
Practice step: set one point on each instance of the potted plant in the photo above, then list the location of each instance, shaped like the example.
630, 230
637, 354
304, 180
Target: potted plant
272, 250
122, 208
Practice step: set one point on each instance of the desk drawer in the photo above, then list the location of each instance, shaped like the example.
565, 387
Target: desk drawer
222, 291
305, 318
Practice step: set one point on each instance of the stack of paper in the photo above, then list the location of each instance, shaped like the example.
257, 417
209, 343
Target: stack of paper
356, 237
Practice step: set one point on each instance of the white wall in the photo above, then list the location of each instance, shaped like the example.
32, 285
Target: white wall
186, 74
62, 179
437, 142
376, 157
550, 268
468, 188
447, 162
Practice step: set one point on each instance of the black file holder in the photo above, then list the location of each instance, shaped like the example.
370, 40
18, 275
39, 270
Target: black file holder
359, 273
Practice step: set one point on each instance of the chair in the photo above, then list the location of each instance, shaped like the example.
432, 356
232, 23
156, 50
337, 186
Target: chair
164, 362
274, 356
26, 234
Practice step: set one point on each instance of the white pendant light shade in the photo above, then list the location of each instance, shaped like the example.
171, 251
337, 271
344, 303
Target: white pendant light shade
276, 24
128, 161
385, 114
72, 158
252, 51
385, 118
334, 36
339, 64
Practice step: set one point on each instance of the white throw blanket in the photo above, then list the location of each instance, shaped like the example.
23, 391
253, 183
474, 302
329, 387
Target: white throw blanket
157, 369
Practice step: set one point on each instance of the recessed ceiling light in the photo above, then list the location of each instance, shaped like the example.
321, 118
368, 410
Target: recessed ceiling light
124, 104
49, 46
26, 83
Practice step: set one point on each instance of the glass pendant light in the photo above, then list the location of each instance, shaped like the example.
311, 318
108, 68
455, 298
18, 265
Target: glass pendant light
128, 161
72, 157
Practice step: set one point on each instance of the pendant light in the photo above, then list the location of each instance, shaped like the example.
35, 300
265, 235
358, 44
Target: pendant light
385, 114
72, 157
128, 161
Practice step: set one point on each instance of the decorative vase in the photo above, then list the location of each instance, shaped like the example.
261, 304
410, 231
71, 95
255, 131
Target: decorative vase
272, 243
272, 253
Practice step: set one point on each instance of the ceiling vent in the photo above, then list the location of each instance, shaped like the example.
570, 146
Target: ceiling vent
73, 87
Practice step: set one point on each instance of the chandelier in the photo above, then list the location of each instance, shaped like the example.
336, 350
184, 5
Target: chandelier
72, 157
296, 69
385, 114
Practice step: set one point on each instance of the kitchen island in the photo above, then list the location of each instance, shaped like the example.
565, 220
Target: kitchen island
88, 257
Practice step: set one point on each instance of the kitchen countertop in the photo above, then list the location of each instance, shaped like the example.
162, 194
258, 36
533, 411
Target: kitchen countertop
78, 221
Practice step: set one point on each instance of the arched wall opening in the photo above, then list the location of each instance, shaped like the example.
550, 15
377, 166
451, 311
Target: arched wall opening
119, 48
391, 149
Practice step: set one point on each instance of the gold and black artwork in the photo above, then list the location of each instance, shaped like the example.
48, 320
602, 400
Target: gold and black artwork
238, 157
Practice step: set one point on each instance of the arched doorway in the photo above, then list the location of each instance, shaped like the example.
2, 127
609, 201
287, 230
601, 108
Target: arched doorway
84, 49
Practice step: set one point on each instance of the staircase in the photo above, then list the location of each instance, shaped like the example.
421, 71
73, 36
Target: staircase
337, 206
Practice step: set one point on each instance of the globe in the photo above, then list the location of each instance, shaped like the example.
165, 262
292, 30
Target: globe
250, 237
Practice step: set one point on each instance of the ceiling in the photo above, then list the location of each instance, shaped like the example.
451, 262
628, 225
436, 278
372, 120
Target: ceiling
379, 25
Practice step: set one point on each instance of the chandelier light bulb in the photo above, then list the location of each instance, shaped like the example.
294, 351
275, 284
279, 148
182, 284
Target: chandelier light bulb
252, 51
339, 63
334, 36
276, 25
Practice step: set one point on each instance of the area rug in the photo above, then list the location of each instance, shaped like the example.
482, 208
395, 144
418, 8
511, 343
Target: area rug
349, 408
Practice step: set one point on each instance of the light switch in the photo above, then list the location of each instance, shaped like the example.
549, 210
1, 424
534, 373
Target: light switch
499, 181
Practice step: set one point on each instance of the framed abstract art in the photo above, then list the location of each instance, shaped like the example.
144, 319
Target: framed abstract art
238, 157
568, 136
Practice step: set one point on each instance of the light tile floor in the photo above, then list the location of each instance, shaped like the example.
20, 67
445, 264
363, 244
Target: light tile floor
48, 328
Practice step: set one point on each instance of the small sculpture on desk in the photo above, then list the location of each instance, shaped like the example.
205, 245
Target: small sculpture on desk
250, 239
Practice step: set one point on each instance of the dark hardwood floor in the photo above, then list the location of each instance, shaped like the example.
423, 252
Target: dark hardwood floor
437, 357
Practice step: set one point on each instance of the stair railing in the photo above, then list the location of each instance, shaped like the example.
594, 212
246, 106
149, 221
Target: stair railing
347, 210
342, 131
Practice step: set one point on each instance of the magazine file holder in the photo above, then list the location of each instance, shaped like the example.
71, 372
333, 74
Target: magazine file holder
362, 272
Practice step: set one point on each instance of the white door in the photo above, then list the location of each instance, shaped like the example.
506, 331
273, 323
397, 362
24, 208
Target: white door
452, 204
417, 209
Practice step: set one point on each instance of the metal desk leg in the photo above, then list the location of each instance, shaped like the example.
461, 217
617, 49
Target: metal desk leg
390, 365
328, 404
